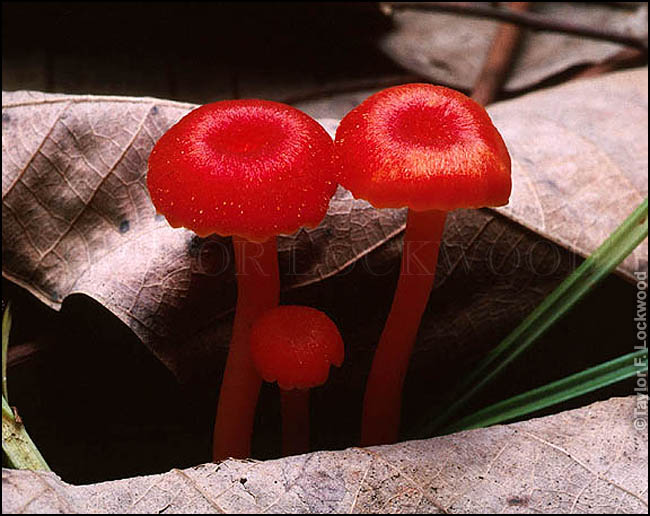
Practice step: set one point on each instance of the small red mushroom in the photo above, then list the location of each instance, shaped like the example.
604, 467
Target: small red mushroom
252, 169
295, 346
431, 149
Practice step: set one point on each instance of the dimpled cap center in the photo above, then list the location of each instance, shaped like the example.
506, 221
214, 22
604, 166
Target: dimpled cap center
434, 126
248, 137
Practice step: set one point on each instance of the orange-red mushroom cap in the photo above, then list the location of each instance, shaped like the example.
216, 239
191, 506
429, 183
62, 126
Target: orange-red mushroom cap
425, 147
295, 346
250, 168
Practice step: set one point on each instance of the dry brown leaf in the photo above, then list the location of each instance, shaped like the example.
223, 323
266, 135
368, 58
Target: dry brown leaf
78, 219
451, 49
94, 152
580, 159
589, 460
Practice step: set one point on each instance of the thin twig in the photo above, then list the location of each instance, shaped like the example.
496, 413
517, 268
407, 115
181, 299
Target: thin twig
527, 19
626, 58
499, 59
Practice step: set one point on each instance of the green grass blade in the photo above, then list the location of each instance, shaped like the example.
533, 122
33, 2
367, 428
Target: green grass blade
6, 328
556, 392
602, 262
20, 450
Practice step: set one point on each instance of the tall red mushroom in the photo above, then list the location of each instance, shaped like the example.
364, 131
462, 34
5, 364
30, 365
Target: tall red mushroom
431, 149
250, 169
295, 346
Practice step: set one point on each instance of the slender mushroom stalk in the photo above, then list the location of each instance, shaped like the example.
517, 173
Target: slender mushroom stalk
295, 346
383, 397
431, 149
295, 421
250, 169
258, 289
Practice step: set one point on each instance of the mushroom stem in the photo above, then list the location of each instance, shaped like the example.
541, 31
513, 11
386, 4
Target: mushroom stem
383, 398
258, 289
295, 421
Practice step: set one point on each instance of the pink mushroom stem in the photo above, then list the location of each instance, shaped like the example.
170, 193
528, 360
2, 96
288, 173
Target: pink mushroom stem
295, 421
258, 289
383, 398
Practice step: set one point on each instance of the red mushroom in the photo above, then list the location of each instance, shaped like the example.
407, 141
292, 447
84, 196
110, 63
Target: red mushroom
252, 169
431, 149
295, 346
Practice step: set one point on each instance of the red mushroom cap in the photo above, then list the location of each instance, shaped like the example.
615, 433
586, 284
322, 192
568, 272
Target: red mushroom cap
251, 168
425, 147
295, 346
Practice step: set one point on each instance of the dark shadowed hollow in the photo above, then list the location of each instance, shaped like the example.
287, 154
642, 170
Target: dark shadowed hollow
97, 403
